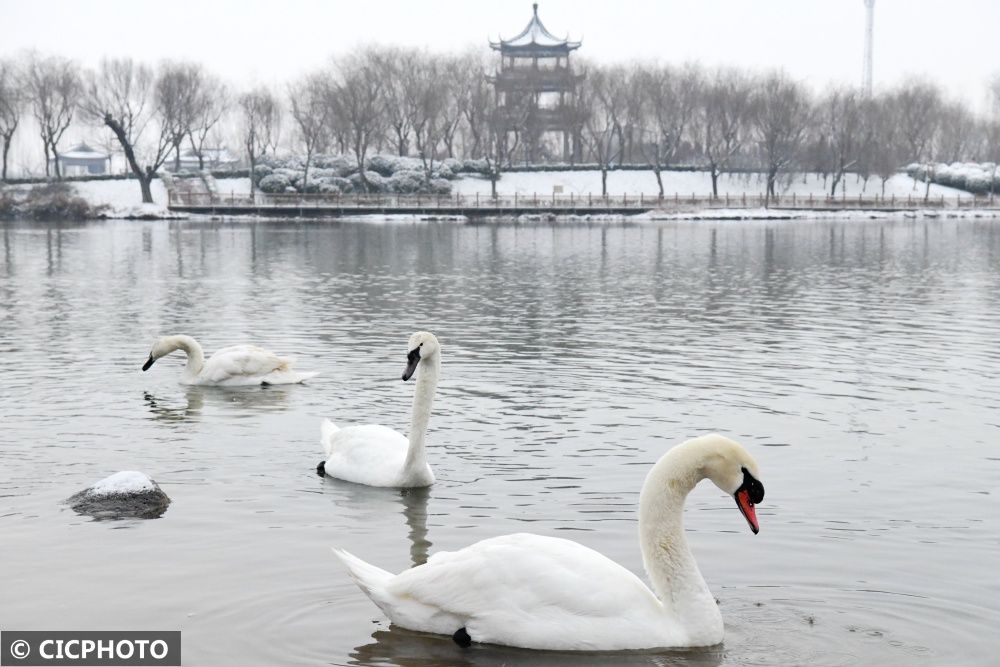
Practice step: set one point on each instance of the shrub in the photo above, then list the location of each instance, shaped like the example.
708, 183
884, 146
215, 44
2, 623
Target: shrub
375, 182
407, 182
274, 183
439, 186
56, 201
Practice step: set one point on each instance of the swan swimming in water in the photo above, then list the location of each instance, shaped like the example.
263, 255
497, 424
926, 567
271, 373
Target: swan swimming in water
377, 455
537, 592
235, 366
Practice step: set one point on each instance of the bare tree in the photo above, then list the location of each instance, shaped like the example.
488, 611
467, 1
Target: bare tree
119, 95
261, 117
840, 122
917, 105
722, 121
429, 101
479, 104
356, 92
179, 94
210, 104
311, 113
457, 71
53, 85
602, 96
398, 71
884, 152
669, 100
11, 106
958, 136
781, 117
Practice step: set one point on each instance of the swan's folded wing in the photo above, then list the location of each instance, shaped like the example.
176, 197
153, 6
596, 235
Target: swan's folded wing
533, 591
243, 361
367, 454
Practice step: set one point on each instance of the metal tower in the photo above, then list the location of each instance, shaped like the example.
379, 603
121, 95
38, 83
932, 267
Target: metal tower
866, 75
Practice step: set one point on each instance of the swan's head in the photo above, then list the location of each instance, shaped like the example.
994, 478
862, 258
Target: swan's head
422, 346
161, 348
733, 470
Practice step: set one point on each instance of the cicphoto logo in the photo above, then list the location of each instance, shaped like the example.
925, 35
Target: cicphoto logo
121, 649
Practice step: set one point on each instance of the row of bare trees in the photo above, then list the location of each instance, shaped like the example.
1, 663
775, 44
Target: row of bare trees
729, 120
436, 106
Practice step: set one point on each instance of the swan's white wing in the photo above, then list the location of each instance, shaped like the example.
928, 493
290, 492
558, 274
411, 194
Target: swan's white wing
534, 592
243, 363
368, 454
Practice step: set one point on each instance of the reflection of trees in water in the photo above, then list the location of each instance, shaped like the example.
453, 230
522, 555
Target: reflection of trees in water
412, 649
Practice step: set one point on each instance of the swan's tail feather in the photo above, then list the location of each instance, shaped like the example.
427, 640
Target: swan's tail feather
370, 579
327, 429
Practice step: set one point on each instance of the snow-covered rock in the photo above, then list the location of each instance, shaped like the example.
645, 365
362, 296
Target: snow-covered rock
124, 495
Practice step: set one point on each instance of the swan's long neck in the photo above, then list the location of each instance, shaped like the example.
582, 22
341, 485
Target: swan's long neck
195, 355
423, 397
665, 553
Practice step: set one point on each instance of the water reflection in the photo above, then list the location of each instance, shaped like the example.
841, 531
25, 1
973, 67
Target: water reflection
404, 648
162, 410
576, 355
242, 401
372, 504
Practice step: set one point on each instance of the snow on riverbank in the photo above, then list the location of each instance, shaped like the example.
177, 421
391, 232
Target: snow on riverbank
687, 183
122, 198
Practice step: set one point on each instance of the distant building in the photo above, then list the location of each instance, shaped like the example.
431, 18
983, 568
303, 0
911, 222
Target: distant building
537, 93
214, 159
82, 160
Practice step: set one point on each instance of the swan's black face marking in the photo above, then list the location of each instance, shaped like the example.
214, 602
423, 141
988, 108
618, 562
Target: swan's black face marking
412, 359
149, 362
750, 493
462, 638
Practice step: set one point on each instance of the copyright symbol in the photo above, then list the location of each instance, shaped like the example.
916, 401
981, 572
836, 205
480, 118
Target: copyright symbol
20, 649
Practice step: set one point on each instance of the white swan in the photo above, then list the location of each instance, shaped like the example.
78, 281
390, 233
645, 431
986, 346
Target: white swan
541, 592
377, 455
236, 366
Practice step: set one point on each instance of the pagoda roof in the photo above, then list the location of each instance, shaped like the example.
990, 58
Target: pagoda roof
535, 37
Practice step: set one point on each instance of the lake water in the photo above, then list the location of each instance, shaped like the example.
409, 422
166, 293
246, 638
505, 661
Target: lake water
856, 360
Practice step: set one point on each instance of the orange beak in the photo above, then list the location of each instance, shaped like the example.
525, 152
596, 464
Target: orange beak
746, 507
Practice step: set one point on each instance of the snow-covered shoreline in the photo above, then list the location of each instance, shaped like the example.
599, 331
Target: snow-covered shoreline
120, 199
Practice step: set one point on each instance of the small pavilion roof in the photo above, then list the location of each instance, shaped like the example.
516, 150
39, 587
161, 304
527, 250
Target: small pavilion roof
84, 152
535, 37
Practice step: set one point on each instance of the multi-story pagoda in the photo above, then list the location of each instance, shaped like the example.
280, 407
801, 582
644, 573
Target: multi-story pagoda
537, 93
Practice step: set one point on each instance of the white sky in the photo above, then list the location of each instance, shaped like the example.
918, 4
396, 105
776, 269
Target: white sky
951, 41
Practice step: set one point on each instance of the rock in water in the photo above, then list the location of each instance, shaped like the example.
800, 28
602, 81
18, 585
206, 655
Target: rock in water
124, 495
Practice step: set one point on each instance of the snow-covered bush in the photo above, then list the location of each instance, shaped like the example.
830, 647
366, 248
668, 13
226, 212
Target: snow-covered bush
439, 186
341, 164
454, 166
476, 167
443, 171
407, 182
376, 183
387, 165
262, 170
274, 183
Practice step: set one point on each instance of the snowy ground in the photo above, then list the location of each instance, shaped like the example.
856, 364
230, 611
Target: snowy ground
687, 183
123, 197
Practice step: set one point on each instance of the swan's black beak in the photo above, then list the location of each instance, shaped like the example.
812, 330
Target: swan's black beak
749, 494
412, 359
149, 362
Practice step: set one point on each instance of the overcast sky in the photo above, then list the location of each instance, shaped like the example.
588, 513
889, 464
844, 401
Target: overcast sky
247, 41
